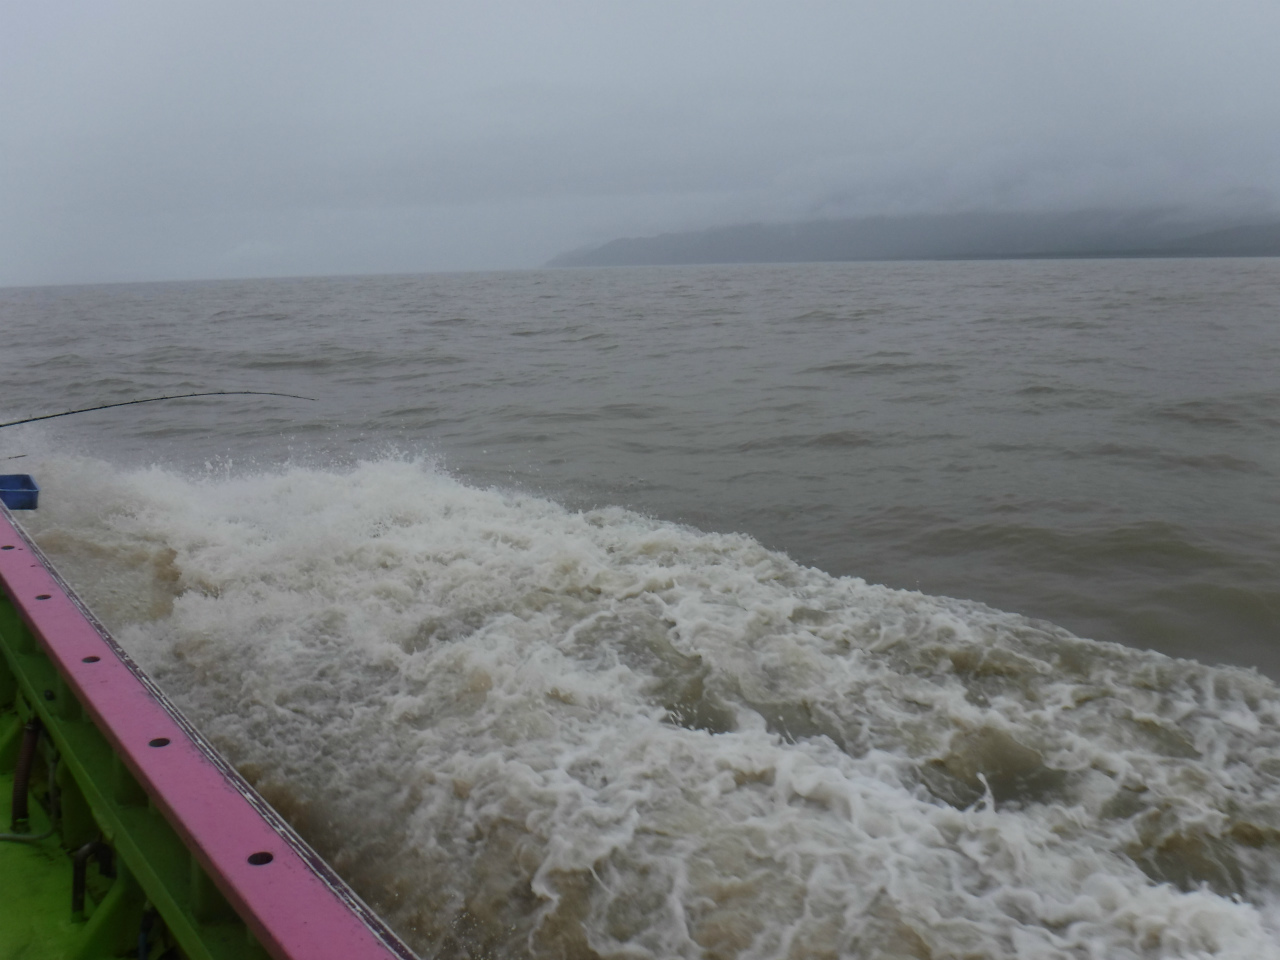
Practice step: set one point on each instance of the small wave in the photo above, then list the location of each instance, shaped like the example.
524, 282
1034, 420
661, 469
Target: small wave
1151, 544
605, 412
1171, 458
833, 317
869, 368
847, 439
1219, 414
63, 363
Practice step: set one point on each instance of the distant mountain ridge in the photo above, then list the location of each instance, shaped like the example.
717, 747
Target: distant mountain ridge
958, 236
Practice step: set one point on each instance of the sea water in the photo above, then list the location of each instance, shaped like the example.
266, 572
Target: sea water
608, 613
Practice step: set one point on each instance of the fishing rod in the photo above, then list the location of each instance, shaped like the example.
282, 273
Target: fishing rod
177, 396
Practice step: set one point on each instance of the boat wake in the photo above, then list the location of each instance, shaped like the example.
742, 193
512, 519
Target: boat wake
520, 730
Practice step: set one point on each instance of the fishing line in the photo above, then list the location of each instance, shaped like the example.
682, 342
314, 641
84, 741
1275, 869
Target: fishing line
178, 396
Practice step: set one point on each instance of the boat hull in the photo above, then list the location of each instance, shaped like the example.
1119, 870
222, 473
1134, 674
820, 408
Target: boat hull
152, 834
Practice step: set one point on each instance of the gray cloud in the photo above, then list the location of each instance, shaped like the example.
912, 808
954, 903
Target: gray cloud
158, 140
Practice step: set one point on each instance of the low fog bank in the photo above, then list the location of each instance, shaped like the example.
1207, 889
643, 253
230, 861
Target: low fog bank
957, 236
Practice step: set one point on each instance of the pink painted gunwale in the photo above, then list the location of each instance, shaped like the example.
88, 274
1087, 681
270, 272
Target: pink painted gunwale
295, 905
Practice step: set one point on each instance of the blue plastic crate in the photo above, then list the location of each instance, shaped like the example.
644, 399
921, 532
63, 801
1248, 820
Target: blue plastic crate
18, 491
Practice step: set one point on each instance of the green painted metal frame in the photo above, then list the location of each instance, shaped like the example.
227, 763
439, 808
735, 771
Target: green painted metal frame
100, 799
197, 846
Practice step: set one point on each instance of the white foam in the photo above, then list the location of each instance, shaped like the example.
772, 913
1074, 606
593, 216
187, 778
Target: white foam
519, 729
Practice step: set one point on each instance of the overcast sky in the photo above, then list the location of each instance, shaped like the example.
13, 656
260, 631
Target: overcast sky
167, 140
